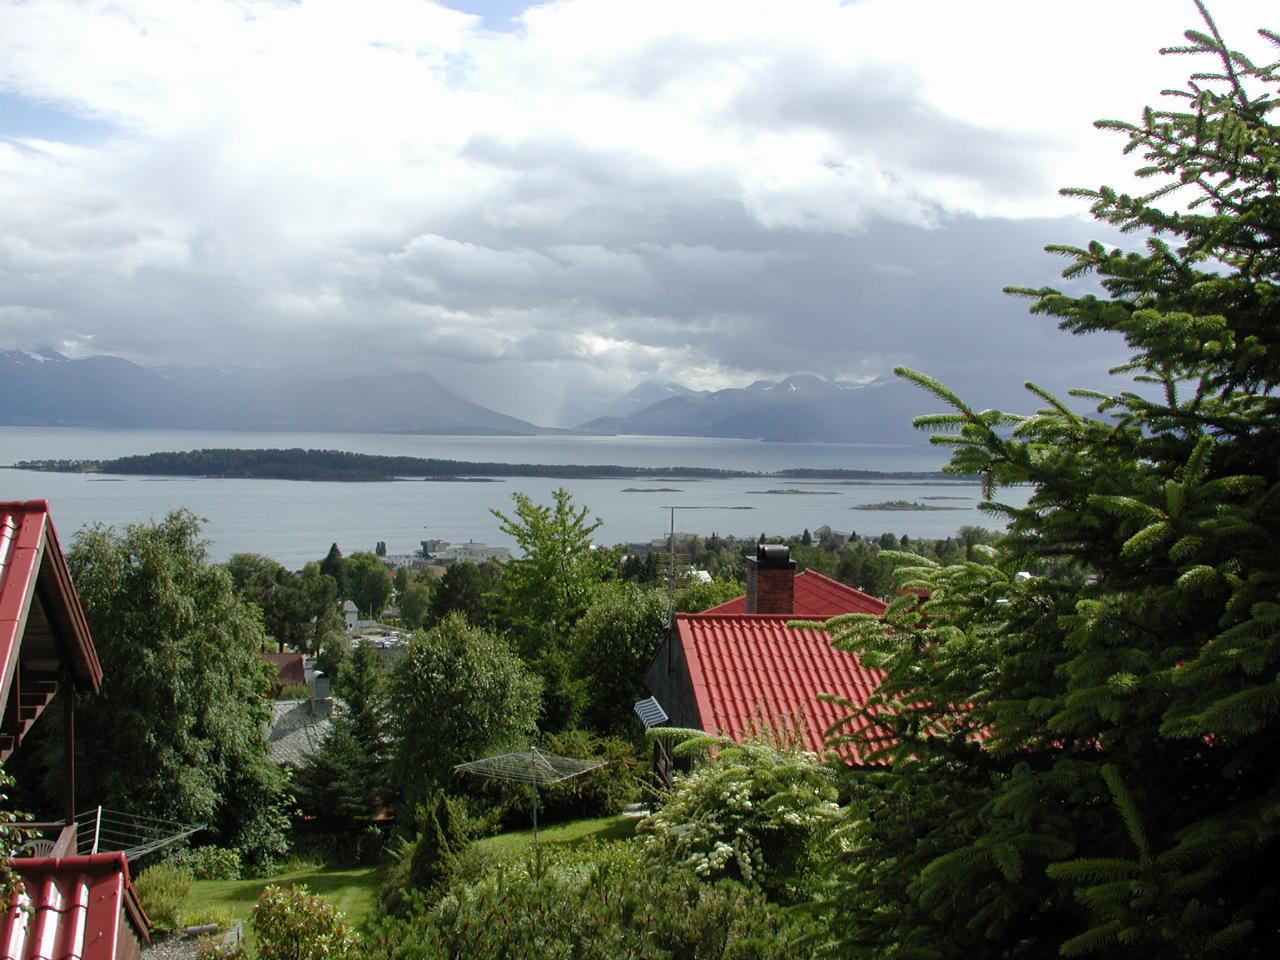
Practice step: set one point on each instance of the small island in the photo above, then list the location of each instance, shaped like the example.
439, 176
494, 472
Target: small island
796, 493
901, 505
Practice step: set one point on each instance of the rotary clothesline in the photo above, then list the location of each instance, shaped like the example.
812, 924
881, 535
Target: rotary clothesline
530, 766
132, 834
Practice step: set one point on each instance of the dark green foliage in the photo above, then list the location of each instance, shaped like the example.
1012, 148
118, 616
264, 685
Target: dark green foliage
332, 566
597, 904
457, 692
298, 610
177, 731
863, 565
283, 597
298, 464
10, 838
1089, 765
700, 595
215, 863
611, 646
368, 582
426, 861
342, 786
334, 655
469, 589
415, 604
641, 568
321, 606
440, 838
337, 791
602, 792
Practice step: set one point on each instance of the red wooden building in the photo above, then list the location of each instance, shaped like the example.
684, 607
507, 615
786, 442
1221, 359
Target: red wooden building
72, 907
739, 670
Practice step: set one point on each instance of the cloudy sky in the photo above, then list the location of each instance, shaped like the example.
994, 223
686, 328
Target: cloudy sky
538, 202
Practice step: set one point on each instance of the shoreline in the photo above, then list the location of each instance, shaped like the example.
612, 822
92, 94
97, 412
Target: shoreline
342, 466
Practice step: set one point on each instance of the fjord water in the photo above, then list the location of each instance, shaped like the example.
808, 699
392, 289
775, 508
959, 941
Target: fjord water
296, 521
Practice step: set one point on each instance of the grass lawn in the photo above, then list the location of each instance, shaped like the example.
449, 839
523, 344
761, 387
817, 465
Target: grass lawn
352, 890
569, 834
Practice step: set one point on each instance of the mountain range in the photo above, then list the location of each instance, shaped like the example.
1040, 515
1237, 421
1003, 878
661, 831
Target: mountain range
797, 409
46, 388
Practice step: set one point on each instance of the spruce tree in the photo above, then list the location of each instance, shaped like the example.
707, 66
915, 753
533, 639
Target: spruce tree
1091, 765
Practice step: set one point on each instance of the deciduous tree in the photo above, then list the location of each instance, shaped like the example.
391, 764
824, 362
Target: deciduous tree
457, 692
547, 590
177, 731
612, 644
469, 589
368, 582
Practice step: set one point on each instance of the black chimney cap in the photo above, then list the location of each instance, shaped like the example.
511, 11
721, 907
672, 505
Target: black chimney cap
773, 555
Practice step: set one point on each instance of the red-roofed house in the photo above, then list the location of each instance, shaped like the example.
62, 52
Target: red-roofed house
73, 907
814, 597
739, 670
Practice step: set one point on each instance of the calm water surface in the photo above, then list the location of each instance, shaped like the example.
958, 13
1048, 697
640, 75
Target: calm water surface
296, 521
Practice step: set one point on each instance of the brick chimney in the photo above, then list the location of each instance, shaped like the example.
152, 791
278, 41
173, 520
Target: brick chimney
771, 584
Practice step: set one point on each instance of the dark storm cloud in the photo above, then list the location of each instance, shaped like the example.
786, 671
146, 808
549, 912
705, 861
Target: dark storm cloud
593, 194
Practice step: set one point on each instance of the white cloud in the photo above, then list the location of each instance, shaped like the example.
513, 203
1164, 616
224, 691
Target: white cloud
624, 188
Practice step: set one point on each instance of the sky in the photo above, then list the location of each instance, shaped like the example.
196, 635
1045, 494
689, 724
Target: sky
542, 204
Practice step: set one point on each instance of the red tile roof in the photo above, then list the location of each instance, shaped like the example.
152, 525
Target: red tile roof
288, 667
73, 908
752, 671
30, 553
817, 598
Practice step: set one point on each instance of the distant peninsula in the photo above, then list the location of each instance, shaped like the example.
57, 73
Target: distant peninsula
331, 465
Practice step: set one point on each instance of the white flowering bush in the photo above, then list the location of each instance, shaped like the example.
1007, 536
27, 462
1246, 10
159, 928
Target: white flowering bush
751, 812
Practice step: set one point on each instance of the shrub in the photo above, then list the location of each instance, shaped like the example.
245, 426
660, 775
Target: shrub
292, 924
428, 860
754, 812
293, 691
601, 792
215, 863
597, 903
162, 890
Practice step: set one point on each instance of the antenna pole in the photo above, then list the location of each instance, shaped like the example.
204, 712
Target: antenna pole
533, 795
671, 575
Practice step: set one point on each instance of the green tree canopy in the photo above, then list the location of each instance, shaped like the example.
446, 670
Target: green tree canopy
415, 604
612, 644
177, 731
468, 588
457, 692
549, 587
547, 590
699, 595
285, 599
1090, 767
368, 582
342, 785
